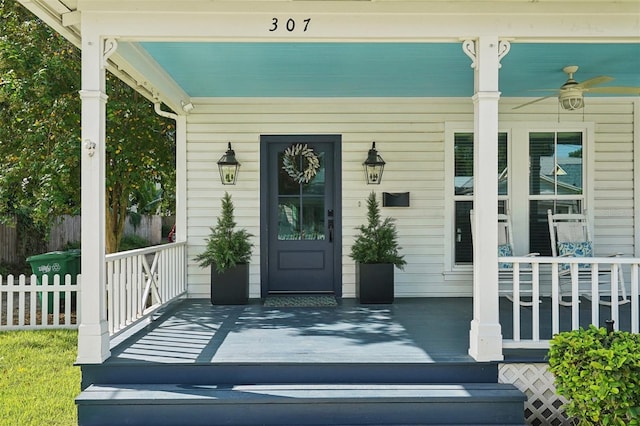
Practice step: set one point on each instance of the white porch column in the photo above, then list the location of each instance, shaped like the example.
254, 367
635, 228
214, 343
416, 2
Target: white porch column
93, 334
485, 336
181, 178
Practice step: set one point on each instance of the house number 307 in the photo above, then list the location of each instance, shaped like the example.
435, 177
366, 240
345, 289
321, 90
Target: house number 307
289, 25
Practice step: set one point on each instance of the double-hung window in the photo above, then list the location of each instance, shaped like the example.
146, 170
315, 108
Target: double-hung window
538, 169
556, 182
464, 187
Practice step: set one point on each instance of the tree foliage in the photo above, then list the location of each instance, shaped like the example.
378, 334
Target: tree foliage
40, 131
140, 150
39, 125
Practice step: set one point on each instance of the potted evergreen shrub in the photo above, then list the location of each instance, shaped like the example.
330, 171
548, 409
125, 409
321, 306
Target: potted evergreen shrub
227, 252
376, 252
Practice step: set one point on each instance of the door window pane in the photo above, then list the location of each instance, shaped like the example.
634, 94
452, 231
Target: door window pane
315, 185
313, 218
301, 209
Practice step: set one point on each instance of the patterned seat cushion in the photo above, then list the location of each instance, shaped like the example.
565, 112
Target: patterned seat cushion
575, 249
504, 250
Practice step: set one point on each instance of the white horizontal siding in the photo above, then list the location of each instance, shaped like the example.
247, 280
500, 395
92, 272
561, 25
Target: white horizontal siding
409, 134
614, 205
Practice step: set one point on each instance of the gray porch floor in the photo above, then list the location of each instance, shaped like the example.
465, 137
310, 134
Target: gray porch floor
425, 330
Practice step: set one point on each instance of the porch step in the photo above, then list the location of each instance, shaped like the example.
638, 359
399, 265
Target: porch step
302, 404
253, 373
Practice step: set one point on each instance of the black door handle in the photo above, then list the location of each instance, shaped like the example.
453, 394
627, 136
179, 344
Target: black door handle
330, 230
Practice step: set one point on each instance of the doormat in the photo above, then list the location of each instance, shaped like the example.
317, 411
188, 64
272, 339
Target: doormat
300, 301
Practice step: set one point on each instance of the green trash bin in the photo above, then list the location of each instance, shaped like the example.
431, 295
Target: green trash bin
55, 263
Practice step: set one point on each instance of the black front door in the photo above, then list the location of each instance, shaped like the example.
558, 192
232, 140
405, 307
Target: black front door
301, 214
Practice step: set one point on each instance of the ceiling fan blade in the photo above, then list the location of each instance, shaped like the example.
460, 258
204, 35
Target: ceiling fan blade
534, 101
593, 82
616, 90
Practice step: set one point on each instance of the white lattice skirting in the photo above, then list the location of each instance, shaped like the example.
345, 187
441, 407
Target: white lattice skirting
543, 405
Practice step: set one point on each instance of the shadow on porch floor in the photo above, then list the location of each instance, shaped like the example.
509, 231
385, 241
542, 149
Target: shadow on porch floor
424, 330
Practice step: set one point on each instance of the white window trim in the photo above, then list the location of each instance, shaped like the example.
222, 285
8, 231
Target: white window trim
518, 180
450, 129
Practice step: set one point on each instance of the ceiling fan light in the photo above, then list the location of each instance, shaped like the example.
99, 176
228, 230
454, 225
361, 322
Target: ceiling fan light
572, 103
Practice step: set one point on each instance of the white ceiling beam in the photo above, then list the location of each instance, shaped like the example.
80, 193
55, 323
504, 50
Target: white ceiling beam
71, 18
133, 60
51, 13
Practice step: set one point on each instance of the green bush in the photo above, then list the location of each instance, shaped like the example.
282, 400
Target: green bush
15, 269
71, 245
132, 242
599, 373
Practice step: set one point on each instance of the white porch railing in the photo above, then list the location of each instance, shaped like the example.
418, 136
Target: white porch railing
26, 305
559, 307
141, 281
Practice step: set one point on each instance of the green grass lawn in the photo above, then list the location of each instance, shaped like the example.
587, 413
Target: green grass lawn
38, 382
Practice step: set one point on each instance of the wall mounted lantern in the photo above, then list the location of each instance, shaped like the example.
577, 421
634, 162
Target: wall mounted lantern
228, 166
373, 166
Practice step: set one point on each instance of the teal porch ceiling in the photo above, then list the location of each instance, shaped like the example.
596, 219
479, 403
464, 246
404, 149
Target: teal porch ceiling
243, 69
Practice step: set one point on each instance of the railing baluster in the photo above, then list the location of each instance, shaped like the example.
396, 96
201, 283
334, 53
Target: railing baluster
555, 299
575, 297
130, 312
635, 320
615, 311
516, 302
535, 299
595, 295
110, 307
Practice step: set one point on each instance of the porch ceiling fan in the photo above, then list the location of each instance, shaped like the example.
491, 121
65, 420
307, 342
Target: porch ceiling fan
571, 93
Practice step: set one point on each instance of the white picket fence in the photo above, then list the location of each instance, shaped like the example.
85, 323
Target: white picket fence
138, 283
25, 304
